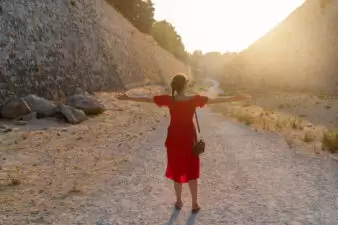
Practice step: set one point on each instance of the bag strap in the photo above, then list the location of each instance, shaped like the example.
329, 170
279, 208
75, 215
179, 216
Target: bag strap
198, 125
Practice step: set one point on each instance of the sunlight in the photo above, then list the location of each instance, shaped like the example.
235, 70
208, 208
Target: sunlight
223, 25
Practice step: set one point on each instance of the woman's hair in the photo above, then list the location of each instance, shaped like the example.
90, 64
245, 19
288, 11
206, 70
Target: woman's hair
178, 84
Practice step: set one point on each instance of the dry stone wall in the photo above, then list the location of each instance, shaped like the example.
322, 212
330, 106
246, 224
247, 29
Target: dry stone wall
48, 46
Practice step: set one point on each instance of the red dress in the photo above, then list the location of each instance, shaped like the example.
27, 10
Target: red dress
182, 165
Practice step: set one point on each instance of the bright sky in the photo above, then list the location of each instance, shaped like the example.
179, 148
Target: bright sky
223, 25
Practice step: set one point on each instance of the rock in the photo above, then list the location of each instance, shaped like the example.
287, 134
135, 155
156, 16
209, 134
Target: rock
15, 108
71, 114
41, 106
20, 122
5, 129
28, 117
89, 104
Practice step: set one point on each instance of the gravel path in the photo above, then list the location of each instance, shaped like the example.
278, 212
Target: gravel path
246, 178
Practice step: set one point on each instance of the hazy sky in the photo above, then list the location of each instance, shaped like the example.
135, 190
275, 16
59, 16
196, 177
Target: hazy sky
223, 25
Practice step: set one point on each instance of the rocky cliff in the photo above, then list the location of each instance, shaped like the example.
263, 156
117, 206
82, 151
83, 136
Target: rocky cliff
48, 46
300, 54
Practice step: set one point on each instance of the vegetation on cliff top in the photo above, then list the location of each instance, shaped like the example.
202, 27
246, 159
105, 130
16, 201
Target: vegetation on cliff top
141, 14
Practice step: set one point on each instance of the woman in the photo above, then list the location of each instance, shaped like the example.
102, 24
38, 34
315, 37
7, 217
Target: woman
182, 165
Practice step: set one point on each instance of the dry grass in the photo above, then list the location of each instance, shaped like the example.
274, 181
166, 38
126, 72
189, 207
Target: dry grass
330, 141
303, 119
296, 130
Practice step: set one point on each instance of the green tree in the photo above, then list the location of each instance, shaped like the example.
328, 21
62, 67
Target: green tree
167, 37
139, 12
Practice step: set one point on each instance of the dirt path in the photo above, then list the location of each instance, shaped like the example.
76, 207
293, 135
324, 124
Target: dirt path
247, 177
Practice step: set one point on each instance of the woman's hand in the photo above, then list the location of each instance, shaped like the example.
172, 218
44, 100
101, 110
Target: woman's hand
122, 96
243, 96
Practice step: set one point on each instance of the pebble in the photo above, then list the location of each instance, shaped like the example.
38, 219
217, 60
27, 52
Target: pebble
20, 122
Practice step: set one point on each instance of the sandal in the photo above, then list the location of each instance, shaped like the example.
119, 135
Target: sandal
178, 205
196, 210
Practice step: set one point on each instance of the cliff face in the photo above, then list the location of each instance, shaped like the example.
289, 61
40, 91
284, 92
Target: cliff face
64, 44
300, 54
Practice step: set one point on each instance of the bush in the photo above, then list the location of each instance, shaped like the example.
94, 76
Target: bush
166, 36
330, 141
140, 13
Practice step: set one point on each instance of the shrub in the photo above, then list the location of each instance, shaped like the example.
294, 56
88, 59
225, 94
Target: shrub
330, 141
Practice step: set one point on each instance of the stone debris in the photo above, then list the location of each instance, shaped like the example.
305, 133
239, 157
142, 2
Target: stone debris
71, 114
89, 104
14, 108
42, 106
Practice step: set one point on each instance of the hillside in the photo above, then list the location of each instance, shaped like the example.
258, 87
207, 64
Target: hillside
300, 54
48, 46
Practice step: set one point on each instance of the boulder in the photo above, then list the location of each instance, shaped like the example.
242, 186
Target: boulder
28, 117
4, 129
89, 104
71, 114
15, 108
42, 106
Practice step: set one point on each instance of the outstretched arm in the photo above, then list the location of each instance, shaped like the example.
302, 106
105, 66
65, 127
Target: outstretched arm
135, 99
238, 97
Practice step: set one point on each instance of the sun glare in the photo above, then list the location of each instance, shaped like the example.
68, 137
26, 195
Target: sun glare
223, 25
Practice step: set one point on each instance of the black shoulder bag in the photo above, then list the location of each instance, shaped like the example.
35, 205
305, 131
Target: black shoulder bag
199, 146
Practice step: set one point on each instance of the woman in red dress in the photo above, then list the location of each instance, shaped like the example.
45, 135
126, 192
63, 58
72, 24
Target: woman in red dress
182, 165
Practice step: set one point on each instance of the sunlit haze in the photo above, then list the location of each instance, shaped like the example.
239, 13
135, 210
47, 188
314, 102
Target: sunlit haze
223, 25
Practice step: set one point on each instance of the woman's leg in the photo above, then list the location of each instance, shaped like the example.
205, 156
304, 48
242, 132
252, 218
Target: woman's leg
193, 191
178, 192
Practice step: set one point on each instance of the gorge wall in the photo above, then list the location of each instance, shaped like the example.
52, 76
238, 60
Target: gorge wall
60, 45
300, 54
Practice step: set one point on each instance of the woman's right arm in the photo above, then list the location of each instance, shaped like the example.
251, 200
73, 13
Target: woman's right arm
126, 97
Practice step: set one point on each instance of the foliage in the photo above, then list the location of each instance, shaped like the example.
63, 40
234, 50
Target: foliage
167, 37
330, 141
210, 64
139, 12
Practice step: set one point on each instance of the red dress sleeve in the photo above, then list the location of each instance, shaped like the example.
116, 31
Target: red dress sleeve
162, 100
200, 101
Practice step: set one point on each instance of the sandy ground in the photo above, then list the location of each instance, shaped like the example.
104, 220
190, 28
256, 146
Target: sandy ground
110, 170
56, 162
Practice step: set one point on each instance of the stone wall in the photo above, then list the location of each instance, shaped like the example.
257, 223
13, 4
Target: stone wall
300, 54
60, 45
